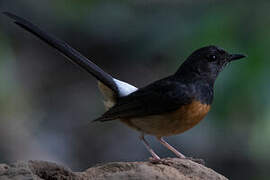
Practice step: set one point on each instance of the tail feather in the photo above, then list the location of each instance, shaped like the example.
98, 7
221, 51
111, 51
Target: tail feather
66, 50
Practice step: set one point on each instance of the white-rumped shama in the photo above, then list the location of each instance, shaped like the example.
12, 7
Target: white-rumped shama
165, 107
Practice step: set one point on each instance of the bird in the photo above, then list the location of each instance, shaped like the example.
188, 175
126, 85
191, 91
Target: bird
166, 107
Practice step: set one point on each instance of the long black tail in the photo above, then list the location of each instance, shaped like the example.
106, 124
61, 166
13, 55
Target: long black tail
67, 51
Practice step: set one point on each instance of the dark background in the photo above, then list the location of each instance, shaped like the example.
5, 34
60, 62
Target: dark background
47, 103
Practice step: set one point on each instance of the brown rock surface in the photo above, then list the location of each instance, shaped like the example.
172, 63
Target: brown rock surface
171, 169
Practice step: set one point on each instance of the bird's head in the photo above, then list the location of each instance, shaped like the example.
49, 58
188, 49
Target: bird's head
207, 62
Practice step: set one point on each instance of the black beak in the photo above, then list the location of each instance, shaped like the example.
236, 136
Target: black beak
236, 56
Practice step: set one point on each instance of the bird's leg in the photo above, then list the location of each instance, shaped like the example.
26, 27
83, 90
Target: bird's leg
164, 143
146, 144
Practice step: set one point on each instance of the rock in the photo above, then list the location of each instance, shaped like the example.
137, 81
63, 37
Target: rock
168, 169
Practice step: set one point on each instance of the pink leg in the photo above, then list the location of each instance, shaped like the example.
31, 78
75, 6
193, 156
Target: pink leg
155, 156
164, 143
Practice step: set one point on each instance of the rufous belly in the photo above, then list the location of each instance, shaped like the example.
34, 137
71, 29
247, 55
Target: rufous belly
172, 123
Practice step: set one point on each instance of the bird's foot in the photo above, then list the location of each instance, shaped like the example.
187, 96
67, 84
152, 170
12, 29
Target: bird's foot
160, 161
170, 162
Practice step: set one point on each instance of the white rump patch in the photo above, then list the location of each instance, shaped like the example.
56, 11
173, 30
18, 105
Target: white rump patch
109, 95
124, 88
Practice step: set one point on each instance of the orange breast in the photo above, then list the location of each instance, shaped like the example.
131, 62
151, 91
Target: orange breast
167, 124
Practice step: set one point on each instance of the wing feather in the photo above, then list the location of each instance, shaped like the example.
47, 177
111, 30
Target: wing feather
160, 97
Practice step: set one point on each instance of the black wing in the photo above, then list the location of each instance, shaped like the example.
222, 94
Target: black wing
160, 97
67, 51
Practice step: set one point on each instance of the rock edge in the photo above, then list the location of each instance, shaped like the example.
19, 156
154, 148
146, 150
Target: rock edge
170, 169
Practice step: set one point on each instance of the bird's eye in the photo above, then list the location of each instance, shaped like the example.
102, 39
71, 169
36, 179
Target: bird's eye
212, 57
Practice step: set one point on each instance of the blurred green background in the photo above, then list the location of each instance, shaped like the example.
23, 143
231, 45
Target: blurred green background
46, 103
